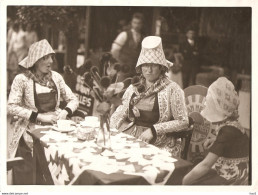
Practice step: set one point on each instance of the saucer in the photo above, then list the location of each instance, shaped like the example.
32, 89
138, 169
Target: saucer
62, 130
89, 124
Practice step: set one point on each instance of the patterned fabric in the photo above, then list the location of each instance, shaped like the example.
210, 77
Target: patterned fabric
36, 51
160, 84
21, 103
232, 169
224, 95
234, 123
68, 157
45, 81
235, 170
171, 103
152, 52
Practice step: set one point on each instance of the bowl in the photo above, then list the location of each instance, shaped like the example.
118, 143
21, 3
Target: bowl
86, 133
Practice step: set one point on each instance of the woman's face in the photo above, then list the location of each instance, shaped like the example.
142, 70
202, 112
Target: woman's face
151, 72
44, 64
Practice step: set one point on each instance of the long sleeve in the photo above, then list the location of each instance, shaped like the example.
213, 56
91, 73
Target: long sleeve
15, 102
179, 111
67, 94
119, 116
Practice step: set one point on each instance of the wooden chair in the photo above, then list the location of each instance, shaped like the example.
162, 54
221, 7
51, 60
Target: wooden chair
17, 161
10, 164
186, 136
195, 98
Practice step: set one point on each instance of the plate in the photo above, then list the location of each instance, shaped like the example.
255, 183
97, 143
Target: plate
64, 131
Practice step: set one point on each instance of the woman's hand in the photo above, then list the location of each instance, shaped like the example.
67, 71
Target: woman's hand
62, 115
146, 136
47, 118
208, 143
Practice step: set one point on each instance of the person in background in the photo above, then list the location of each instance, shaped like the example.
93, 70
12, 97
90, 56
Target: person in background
190, 51
18, 43
227, 162
31, 35
126, 47
156, 106
35, 98
10, 30
123, 26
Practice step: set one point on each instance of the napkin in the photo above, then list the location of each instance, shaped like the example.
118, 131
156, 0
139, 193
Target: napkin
122, 156
105, 168
127, 168
144, 162
107, 153
164, 158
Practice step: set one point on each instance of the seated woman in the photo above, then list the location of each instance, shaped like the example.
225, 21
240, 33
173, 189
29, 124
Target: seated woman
227, 160
35, 98
156, 106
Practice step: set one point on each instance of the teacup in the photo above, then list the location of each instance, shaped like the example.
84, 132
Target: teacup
64, 124
91, 121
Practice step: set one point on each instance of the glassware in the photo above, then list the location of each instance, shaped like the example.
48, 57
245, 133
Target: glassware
103, 139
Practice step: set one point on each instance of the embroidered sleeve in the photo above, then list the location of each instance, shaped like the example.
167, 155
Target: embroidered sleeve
67, 94
121, 112
15, 105
178, 110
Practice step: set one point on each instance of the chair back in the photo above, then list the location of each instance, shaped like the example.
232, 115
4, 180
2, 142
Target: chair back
195, 98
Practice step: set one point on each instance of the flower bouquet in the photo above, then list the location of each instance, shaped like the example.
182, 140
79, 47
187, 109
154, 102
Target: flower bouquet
107, 94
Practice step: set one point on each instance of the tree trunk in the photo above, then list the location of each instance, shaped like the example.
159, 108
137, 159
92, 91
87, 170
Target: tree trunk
71, 46
71, 49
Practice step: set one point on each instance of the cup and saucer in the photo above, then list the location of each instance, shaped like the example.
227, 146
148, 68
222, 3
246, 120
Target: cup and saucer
90, 121
64, 126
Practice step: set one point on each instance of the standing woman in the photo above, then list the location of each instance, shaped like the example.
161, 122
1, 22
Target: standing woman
35, 98
227, 162
156, 107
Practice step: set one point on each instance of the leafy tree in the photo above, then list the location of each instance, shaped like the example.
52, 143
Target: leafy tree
65, 18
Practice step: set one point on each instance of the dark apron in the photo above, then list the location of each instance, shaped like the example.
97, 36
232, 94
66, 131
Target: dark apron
45, 102
146, 120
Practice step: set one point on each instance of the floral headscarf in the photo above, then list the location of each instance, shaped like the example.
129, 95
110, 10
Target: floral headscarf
225, 102
225, 97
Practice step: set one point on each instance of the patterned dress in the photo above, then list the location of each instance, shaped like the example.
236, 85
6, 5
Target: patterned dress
22, 103
232, 166
25, 97
172, 116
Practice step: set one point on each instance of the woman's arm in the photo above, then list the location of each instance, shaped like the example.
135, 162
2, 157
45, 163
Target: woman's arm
15, 105
16, 99
179, 112
68, 96
201, 169
121, 113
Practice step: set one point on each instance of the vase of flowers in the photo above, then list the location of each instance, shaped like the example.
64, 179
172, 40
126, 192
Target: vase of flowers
108, 95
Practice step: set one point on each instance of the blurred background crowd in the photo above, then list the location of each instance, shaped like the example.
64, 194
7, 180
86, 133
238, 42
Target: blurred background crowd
203, 43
